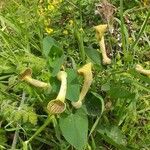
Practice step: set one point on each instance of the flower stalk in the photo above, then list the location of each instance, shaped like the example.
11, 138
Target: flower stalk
86, 72
58, 105
100, 30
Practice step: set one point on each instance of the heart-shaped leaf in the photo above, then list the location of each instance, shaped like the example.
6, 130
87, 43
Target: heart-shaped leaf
53, 54
119, 91
93, 54
94, 104
74, 128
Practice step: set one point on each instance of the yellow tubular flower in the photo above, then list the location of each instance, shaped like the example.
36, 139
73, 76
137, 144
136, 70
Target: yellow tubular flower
58, 105
141, 70
100, 30
86, 72
26, 76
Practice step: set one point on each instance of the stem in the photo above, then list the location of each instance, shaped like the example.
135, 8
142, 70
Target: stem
79, 38
122, 30
13, 147
140, 33
47, 121
94, 125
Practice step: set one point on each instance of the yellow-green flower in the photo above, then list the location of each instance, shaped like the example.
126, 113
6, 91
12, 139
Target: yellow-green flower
56, 2
145, 2
49, 30
130, 39
47, 22
81, 29
70, 22
65, 32
51, 7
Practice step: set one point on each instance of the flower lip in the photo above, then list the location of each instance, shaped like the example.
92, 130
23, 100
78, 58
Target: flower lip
56, 106
27, 72
100, 30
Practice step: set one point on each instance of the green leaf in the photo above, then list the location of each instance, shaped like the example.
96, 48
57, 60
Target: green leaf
53, 54
74, 128
94, 104
73, 86
114, 136
119, 91
48, 43
9, 23
55, 65
93, 54
105, 87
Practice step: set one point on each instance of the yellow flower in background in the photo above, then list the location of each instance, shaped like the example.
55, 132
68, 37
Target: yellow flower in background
56, 2
81, 29
71, 22
49, 30
41, 11
65, 32
51, 7
146, 2
130, 39
47, 22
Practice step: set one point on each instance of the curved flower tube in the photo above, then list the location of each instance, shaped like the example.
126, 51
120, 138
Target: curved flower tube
86, 72
141, 70
27, 76
100, 30
58, 105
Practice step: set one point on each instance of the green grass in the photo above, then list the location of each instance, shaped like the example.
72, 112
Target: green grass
117, 119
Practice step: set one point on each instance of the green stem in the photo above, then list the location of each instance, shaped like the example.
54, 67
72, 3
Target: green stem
140, 33
16, 135
94, 125
13, 147
122, 30
79, 38
47, 121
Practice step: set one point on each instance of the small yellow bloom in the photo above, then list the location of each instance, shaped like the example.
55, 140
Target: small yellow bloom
130, 39
51, 7
70, 22
81, 29
49, 30
145, 2
47, 22
65, 32
56, 2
